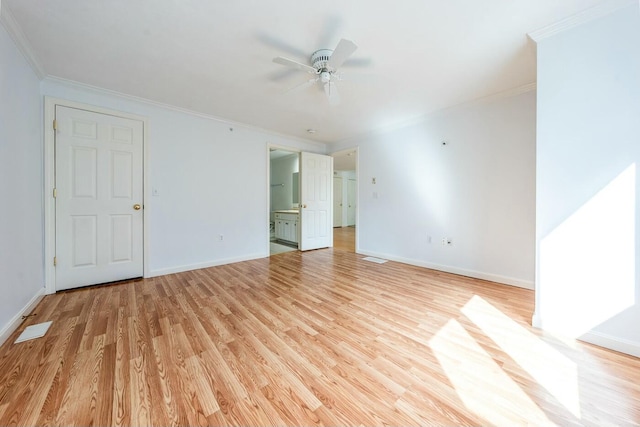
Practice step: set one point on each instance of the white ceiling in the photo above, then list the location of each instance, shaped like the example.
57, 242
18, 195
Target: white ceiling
215, 56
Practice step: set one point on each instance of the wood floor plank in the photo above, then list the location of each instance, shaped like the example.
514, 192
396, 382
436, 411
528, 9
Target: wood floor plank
313, 338
121, 412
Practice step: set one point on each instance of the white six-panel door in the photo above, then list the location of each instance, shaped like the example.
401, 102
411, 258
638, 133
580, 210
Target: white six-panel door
316, 207
98, 179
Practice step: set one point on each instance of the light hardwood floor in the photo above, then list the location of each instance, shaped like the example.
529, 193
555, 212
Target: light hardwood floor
344, 238
315, 338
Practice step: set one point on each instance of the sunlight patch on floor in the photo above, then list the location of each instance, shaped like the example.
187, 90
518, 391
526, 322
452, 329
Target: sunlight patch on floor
548, 367
481, 384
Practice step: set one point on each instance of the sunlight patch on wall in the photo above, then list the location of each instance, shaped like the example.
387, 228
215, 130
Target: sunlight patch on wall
587, 263
548, 367
481, 384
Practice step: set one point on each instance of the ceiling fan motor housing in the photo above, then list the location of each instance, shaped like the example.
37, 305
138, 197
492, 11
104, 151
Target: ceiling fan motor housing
319, 59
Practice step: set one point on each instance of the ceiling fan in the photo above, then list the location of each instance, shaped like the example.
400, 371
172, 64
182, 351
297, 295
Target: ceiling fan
324, 67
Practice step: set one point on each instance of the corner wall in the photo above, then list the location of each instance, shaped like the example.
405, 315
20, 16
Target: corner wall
478, 190
588, 181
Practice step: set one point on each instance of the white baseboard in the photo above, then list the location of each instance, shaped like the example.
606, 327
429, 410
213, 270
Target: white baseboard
612, 343
535, 321
197, 266
526, 284
16, 321
596, 338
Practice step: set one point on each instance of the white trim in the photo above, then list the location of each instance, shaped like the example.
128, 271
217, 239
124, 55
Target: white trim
578, 19
49, 181
198, 266
15, 32
612, 343
505, 280
421, 118
16, 321
101, 91
509, 93
596, 338
268, 207
535, 320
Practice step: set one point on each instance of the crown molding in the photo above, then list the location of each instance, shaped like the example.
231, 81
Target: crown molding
437, 113
578, 19
72, 84
21, 42
502, 95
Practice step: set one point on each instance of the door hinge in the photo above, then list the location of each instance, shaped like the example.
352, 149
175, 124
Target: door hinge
55, 124
55, 193
55, 261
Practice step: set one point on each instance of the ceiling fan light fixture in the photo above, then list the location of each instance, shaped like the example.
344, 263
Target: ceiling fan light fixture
325, 77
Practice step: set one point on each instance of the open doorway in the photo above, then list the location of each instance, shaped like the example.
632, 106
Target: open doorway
345, 188
300, 198
284, 214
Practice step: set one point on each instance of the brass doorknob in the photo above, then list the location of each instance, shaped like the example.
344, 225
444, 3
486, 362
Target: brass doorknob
137, 207
304, 206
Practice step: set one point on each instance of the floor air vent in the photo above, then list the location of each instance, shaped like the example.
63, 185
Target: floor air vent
33, 331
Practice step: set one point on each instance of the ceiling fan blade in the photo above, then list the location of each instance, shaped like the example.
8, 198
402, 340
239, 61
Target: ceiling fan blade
358, 62
343, 51
282, 74
293, 64
330, 28
331, 90
301, 85
281, 45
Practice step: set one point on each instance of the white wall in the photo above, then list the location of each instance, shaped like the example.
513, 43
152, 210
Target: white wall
282, 170
21, 214
588, 182
211, 181
479, 191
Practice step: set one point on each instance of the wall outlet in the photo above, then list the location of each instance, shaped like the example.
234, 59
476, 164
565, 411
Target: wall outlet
220, 237
428, 239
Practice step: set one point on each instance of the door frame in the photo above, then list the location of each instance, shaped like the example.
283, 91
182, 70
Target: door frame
50, 104
335, 197
271, 146
356, 151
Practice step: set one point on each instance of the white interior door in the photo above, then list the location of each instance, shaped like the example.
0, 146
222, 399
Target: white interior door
337, 201
99, 221
351, 201
316, 207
